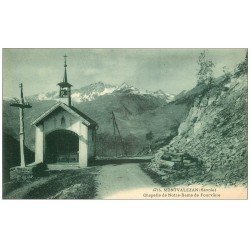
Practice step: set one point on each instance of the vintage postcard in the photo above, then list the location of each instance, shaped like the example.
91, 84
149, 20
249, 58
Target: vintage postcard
125, 124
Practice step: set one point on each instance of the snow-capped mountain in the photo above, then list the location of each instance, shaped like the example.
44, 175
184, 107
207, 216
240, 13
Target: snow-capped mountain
126, 88
94, 90
129, 89
163, 95
86, 93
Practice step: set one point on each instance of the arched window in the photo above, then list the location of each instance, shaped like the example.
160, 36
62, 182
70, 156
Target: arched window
54, 122
63, 123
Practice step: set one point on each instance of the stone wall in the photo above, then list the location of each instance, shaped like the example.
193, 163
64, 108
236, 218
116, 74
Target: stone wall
19, 174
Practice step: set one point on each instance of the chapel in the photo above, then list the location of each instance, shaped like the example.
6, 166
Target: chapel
65, 135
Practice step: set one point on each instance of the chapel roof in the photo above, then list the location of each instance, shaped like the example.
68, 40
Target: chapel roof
72, 110
64, 84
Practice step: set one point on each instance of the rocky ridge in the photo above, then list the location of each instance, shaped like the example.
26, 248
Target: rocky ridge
214, 133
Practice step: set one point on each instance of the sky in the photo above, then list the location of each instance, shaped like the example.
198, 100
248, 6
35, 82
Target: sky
171, 70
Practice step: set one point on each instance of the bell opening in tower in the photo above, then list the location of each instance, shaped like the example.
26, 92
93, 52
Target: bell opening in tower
64, 92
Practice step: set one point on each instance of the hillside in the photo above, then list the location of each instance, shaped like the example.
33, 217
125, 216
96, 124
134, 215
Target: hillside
212, 138
11, 155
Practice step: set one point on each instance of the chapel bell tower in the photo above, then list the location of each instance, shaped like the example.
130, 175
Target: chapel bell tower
65, 87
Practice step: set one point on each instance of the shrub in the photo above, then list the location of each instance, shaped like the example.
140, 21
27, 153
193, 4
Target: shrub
40, 170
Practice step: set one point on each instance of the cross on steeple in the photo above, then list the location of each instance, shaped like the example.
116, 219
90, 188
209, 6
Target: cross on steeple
65, 79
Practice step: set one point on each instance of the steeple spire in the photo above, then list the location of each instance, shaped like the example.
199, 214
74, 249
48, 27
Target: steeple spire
65, 79
65, 87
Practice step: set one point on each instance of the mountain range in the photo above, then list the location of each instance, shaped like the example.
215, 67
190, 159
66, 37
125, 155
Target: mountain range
94, 90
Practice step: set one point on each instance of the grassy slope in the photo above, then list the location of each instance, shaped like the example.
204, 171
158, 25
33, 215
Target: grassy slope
11, 155
68, 184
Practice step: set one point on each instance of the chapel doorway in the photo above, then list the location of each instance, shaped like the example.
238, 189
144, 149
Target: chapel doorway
62, 146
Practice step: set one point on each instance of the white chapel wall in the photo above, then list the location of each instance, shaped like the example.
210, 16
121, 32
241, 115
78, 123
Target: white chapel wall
39, 148
83, 145
91, 145
55, 122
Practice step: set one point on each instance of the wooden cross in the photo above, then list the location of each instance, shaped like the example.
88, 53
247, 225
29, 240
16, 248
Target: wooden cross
21, 105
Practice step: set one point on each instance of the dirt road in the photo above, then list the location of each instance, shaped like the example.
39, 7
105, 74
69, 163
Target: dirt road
125, 181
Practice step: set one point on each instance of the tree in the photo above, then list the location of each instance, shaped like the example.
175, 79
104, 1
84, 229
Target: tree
149, 138
227, 73
242, 67
205, 72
